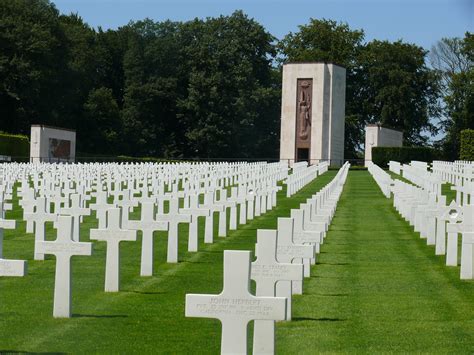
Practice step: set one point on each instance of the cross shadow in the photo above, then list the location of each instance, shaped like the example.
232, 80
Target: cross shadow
3, 351
324, 319
99, 316
334, 263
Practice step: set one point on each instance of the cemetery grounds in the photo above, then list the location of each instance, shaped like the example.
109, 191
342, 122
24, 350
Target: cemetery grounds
376, 288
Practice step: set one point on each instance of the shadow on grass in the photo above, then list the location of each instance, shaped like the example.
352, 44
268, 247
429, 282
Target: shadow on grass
25, 352
328, 294
97, 316
325, 263
324, 319
145, 292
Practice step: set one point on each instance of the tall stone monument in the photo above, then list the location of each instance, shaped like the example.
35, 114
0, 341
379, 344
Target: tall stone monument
378, 136
312, 113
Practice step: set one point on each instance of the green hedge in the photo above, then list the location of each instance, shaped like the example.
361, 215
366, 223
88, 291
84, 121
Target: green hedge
467, 145
86, 157
382, 155
14, 145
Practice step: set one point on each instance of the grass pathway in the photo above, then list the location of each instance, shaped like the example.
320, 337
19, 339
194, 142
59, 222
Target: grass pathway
378, 288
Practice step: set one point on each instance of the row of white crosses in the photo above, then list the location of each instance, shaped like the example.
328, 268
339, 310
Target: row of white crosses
123, 184
302, 175
382, 178
461, 175
438, 223
278, 265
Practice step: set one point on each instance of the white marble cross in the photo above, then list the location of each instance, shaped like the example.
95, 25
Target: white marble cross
209, 227
305, 237
267, 271
101, 206
113, 235
77, 212
223, 213
442, 217
40, 217
148, 226
235, 307
4, 224
287, 251
453, 228
467, 245
195, 211
63, 248
174, 219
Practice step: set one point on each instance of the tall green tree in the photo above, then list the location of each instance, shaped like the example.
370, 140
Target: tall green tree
398, 89
31, 61
151, 66
101, 119
453, 58
231, 106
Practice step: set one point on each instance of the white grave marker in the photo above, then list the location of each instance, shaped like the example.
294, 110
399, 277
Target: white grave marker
63, 248
287, 251
40, 217
267, 271
235, 306
77, 212
113, 235
147, 225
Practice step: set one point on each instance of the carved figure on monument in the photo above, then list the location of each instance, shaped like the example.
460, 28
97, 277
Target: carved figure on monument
304, 109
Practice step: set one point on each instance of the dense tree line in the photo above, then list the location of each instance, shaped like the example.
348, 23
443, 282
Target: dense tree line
203, 88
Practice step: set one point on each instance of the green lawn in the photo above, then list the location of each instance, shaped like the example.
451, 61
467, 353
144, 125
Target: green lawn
376, 288
450, 194
146, 316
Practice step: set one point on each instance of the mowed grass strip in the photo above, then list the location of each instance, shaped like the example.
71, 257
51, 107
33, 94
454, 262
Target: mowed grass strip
147, 315
378, 288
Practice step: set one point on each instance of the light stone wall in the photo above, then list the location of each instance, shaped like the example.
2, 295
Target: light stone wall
327, 111
378, 136
39, 143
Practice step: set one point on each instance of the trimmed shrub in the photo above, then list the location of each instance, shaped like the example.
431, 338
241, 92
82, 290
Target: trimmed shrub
467, 145
382, 155
14, 145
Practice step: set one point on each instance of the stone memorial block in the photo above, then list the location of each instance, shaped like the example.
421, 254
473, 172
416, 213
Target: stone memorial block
267, 271
378, 136
148, 226
113, 234
235, 307
13, 268
312, 113
52, 144
63, 248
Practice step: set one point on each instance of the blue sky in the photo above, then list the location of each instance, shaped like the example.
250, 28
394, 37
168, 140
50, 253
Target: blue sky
417, 21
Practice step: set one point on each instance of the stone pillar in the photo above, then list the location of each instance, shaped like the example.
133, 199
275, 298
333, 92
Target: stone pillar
312, 113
